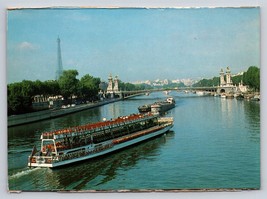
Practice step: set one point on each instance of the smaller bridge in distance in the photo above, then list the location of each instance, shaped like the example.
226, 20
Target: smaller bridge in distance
129, 94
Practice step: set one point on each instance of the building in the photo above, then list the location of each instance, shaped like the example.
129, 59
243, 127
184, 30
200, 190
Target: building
226, 86
41, 102
113, 87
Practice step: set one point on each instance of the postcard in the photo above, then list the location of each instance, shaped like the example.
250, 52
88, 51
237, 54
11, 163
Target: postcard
133, 99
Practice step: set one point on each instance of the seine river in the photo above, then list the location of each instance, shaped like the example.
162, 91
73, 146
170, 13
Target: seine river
215, 143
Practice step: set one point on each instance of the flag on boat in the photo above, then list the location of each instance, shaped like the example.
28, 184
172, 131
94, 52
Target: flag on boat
34, 150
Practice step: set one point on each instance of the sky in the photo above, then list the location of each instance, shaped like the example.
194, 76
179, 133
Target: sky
134, 43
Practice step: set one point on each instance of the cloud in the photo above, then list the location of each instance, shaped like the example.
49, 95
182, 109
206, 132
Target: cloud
26, 46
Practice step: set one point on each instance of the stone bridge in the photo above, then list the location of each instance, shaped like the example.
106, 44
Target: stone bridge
129, 94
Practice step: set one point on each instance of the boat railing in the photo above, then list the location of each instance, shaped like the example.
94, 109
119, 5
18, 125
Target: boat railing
82, 152
136, 134
42, 159
165, 120
91, 128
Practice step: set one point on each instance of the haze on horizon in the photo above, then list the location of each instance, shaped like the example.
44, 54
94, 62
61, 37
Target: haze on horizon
134, 43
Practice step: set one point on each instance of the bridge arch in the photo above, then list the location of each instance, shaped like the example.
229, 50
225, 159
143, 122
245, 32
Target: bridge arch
222, 90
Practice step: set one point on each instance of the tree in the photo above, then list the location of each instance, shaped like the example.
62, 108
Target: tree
89, 86
68, 83
19, 97
38, 87
142, 86
237, 79
252, 77
207, 82
131, 87
51, 87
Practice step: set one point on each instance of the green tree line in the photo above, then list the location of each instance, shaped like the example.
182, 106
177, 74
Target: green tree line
130, 87
20, 95
250, 78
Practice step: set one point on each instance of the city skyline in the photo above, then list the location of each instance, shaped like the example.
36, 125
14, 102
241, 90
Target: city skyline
135, 44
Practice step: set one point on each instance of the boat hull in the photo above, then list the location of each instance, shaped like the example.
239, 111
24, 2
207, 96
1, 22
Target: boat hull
110, 148
144, 109
161, 108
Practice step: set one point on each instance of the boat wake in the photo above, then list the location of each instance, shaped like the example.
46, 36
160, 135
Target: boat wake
20, 151
25, 171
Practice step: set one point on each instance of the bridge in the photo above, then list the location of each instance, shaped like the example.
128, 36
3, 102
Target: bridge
225, 87
129, 94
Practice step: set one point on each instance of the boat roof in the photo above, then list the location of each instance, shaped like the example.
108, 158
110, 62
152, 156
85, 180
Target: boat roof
90, 128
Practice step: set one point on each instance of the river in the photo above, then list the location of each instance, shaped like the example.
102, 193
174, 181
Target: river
214, 144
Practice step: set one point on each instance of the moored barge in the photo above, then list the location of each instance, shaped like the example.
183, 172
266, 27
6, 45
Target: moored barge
158, 107
162, 107
66, 146
144, 108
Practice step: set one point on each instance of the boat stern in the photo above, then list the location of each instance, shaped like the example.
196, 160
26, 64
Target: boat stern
166, 121
40, 161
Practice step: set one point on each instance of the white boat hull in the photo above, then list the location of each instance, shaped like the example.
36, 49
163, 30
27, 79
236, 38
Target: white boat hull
112, 148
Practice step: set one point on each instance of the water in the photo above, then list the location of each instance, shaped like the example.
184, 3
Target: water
215, 143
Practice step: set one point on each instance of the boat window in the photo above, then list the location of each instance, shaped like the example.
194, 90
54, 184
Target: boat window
83, 149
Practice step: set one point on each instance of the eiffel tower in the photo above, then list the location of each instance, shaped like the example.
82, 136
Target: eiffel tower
59, 60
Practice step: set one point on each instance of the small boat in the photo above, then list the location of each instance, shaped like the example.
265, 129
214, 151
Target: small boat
158, 107
229, 96
70, 145
200, 93
240, 97
166, 92
256, 98
162, 107
144, 108
223, 95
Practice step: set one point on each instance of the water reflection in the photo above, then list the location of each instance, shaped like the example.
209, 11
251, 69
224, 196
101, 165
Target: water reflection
226, 110
252, 115
252, 110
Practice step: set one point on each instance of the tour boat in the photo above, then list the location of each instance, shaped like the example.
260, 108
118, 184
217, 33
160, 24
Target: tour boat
66, 146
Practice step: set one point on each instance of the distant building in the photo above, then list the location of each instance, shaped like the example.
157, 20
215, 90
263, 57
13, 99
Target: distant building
116, 84
242, 88
41, 102
226, 86
110, 84
228, 82
113, 87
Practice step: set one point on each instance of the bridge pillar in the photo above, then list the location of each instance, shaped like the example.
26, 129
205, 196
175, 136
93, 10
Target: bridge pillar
120, 94
222, 81
116, 84
110, 84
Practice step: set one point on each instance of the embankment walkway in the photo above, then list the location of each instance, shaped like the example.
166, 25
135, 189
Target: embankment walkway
15, 120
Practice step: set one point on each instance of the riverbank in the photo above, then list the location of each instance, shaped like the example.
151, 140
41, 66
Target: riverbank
16, 120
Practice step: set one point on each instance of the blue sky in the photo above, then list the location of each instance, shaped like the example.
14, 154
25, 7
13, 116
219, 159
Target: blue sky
135, 44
